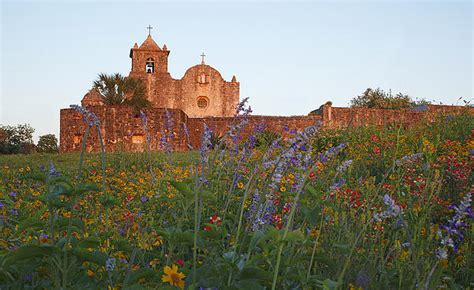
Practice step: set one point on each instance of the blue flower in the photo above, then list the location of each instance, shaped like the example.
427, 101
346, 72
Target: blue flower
409, 159
454, 228
392, 209
52, 170
110, 264
343, 167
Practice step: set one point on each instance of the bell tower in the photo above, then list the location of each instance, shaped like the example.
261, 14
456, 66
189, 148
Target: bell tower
149, 58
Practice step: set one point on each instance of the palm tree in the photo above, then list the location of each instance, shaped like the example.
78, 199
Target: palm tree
119, 90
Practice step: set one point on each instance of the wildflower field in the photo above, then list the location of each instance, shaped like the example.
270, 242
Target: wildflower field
360, 208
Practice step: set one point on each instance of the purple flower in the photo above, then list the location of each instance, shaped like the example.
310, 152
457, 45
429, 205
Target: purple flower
362, 279
52, 170
409, 159
454, 228
13, 194
186, 134
332, 152
338, 184
205, 144
110, 264
392, 209
1, 205
89, 117
441, 254
343, 167
144, 199
14, 211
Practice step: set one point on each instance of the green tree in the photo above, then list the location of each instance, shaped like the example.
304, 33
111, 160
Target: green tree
47, 144
377, 98
16, 139
119, 90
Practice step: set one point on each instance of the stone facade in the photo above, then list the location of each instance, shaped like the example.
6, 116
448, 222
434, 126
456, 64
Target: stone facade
123, 130
201, 97
201, 92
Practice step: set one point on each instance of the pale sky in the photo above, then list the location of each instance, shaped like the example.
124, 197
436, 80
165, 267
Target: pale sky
290, 57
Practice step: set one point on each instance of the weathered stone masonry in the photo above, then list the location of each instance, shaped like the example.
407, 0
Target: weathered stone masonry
123, 130
201, 96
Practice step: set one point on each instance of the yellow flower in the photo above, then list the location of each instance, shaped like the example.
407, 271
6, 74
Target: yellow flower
314, 233
240, 185
404, 255
173, 277
423, 231
67, 214
282, 189
459, 261
416, 208
90, 273
443, 263
353, 287
154, 262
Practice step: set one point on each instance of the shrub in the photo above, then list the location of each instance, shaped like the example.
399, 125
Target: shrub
382, 100
47, 144
16, 139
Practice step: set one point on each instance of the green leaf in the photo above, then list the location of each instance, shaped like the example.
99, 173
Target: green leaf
76, 223
121, 245
95, 257
89, 243
38, 176
82, 188
28, 252
33, 223
255, 273
182, 187
108, 201
294, 236
311, 190
141, 273
58, 189
249, 285
329, 284
256, 238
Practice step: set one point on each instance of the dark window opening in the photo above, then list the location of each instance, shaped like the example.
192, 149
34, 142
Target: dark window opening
202, 102
150, 66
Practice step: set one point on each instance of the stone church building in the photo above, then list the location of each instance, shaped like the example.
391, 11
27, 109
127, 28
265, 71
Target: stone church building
200, 97
201, 92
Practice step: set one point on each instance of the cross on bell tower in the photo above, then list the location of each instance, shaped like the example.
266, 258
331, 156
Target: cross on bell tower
202, 58
149, 29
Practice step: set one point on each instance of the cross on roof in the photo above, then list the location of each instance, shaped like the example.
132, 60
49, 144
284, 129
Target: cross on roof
202, 58
149, 29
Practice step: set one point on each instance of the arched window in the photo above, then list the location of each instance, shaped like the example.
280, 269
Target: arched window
202, 102
150, 66
202, 79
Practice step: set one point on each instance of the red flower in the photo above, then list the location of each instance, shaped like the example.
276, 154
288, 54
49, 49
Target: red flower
374, 138
215, 219
377, 150
180, 263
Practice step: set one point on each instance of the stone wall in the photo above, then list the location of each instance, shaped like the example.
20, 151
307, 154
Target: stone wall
219, 126
351, 117
122, 129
